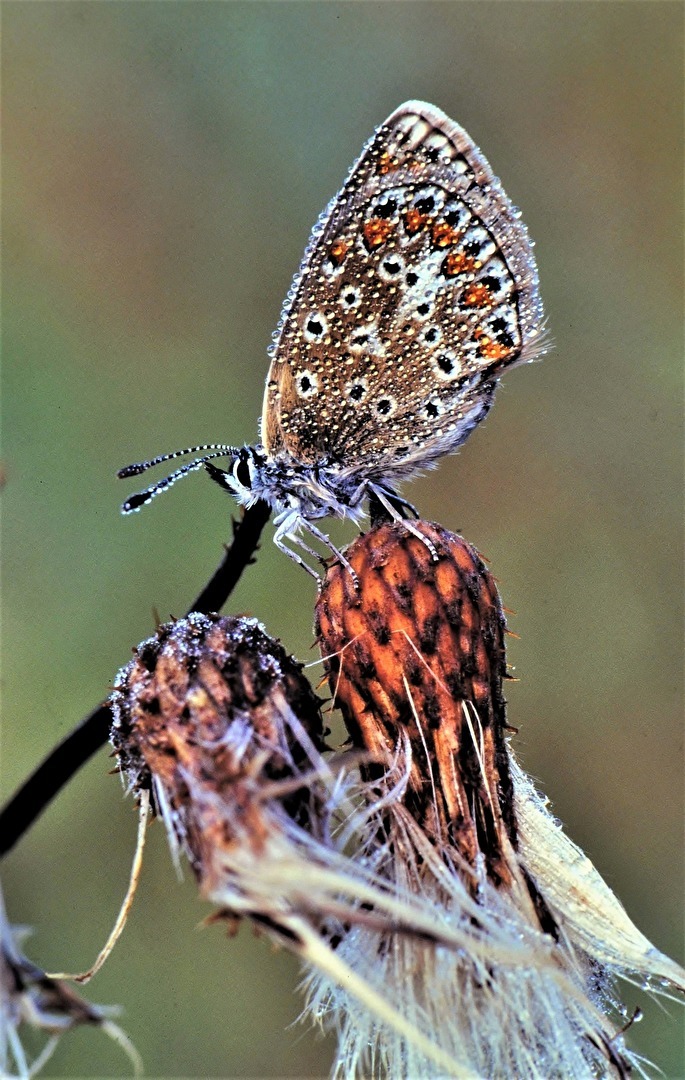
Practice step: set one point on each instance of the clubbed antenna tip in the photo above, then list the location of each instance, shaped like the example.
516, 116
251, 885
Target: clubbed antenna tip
133, 470
136, 501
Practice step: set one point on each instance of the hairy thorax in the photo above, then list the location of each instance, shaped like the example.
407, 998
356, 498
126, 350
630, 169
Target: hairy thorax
315, 491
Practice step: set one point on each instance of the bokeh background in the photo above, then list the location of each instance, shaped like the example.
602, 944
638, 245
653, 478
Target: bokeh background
163, 165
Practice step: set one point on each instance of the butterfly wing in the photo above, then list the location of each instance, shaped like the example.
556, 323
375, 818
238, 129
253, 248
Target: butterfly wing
417, 289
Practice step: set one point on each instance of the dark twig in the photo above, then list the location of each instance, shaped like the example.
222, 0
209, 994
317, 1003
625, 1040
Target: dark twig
64, 761
239, 555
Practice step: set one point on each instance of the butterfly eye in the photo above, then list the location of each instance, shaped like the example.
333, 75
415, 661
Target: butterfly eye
242, 470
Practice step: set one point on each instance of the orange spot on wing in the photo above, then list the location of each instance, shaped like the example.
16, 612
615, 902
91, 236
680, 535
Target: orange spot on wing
386, 164
456, 262
491, 350
443, 234
337, 252
377, 231
413, 220
478, 295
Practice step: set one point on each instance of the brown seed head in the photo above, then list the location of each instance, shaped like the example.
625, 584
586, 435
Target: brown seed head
418, 648
210, 710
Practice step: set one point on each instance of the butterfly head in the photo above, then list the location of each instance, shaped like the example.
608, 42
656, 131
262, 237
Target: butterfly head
248, 477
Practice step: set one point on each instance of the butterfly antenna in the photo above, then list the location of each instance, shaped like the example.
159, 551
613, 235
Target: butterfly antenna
142, 466
142, 497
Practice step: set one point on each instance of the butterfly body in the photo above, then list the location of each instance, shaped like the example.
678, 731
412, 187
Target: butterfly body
299, 494
417, 289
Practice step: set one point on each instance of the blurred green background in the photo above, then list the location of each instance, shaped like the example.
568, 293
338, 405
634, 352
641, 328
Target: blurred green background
163, 165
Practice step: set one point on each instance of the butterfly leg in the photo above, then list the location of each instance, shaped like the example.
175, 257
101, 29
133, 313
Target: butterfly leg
385, 500
397, 501
296, 558
287, 524
367, 489
327, 542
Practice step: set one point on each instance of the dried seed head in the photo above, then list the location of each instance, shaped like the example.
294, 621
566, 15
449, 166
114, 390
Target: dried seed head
418, 648
35, 1004
464, 935
414, 650
209, 705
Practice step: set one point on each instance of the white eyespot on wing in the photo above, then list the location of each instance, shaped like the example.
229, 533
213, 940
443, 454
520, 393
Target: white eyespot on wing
365, 339
446, 365
314, 326
391, 267
433, 407
389, 204
432, 336
306, 383
423, 310
428, 200
349, 297
478, 243
457, 215
501, 324
356, 390
385, 406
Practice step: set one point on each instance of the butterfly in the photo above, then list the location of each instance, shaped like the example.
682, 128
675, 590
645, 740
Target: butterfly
417, 290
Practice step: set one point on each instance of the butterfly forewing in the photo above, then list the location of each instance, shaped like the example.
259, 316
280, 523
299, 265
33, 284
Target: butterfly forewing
418, 287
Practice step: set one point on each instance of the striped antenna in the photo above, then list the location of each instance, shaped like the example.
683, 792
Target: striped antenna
142, 466
141, 498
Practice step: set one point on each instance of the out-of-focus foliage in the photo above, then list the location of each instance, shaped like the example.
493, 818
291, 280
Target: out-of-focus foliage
163, 164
